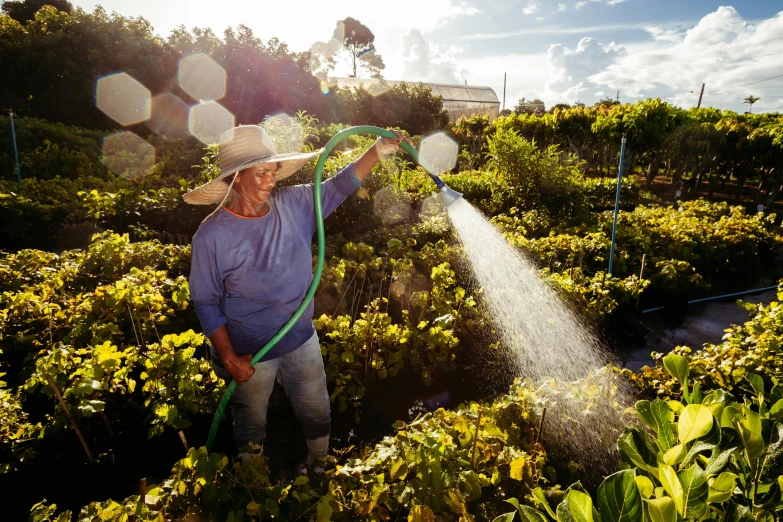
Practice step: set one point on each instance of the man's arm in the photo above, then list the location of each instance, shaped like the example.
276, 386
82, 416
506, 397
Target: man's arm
206, 288
237, 365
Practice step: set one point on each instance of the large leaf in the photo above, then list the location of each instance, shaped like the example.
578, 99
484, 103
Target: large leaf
505, 517
721, 487
644, 409
694, 490
672, 486
757, 383
695, 421
753, 444
718, 461
698, 447
677, 366
645, 485
527, 513
619, 499
539, 495
577, 506
662, 510
633, 444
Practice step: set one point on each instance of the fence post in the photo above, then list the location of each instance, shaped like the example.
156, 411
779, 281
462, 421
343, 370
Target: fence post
617, 203
16, 152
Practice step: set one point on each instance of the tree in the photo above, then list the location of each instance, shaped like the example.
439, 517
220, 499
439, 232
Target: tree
559, 107
524, 106
24, 10
751, 100
359, 43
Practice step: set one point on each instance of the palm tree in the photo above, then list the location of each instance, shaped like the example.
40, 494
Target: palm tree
751, 100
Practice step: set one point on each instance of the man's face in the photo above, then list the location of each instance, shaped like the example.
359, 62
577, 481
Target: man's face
254, 184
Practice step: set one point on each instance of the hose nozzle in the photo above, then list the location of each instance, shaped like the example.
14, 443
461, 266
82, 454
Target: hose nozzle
446, 195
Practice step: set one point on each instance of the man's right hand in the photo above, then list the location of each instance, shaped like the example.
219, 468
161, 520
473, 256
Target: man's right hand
239, 367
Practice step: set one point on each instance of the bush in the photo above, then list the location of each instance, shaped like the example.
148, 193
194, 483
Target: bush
535, 178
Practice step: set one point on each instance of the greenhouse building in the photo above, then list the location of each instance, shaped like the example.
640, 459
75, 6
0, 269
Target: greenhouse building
458, 100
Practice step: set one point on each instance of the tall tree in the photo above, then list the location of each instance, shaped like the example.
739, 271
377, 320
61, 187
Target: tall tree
751, 100
24, 10
524, 106
359, 44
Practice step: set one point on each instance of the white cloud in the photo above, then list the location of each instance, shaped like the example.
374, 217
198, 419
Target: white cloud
722, 50
539, 18
530, 8
558, 29
425, 61
583, 3
561, 7
570, 69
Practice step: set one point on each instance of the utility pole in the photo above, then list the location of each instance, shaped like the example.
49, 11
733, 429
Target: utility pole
16, 152
618, 97
504, 91
700, 95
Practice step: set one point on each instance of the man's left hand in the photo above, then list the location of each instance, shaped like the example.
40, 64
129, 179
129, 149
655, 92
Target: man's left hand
386, 146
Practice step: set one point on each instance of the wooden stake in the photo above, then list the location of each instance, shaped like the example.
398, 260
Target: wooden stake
475, 439
184, 440
70, 417
540, 426
641, 274
143, 490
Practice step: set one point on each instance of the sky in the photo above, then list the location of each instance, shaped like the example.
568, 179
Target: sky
559, 51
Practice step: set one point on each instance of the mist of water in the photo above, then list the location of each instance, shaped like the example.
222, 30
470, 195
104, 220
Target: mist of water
548, 342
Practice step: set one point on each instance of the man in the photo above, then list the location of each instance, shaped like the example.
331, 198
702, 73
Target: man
251, 267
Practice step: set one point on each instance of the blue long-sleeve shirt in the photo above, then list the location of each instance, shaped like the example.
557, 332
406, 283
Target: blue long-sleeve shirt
251, 273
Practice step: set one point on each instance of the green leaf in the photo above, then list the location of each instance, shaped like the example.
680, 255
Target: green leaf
324, 510
671, 484
505, 517
697, 448
721, 487
776, 411
619, 499
538, 495
675, 455
753, 444
662, 510
645, 485
677, 366
695, 421
581, 506
301, 480
694, 489
644, 409
633, 445
757, 383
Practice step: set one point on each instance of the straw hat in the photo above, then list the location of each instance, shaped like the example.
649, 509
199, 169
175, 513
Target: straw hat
240, 148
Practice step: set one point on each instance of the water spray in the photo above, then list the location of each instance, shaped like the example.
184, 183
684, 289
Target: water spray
446, 195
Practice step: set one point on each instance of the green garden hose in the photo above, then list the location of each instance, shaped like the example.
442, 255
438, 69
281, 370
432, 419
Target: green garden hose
319, 224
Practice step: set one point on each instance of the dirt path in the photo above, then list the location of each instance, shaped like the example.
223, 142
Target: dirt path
705, 323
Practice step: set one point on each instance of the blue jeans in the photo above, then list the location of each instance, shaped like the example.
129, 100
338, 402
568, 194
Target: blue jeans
301, 372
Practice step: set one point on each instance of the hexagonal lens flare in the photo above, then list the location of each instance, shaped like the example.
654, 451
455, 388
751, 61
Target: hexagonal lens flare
438, 153
392, 207
286, 133
202, 77
209, 121
126, 154
169, 116
122, 98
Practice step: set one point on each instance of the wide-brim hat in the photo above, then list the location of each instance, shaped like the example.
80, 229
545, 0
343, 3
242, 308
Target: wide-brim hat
240, 148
